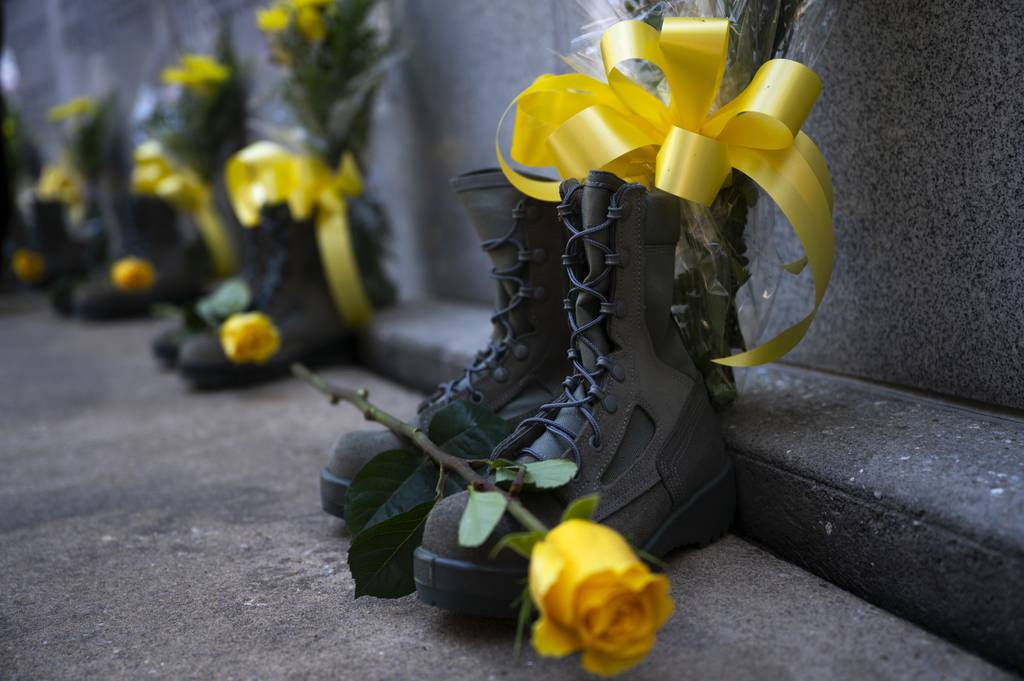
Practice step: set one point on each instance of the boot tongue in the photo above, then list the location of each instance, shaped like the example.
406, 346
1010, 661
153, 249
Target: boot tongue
597, 193
489, 200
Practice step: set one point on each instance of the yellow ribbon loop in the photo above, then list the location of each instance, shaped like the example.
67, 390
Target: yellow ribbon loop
59, 182
155, 174
577, 123
265, 173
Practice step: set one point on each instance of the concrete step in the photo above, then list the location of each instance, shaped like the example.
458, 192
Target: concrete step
915, 504
151, 531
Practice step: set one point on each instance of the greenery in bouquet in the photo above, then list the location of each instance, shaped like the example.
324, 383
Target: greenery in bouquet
91, 139
208, 120
334, 54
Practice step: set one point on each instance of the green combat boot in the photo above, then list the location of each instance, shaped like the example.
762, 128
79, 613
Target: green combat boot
523, 365
49, 254
634, 415
293, 292
168, 342
168, 267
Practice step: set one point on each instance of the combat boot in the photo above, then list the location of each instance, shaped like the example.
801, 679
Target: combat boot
49, 254
149, 231
293, 292
634, 414
168, 342
523, 364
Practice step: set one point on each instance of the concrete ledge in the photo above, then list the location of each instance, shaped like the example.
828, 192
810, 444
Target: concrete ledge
914, 504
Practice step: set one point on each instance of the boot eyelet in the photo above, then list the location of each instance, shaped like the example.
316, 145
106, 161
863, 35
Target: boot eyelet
610, 404
617, 372
476, 398
521, 351
594, 442
500, 374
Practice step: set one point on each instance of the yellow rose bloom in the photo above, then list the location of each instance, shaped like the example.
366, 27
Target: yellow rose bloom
594, 595
310, 21
133, 274
197, 72
28, 266
78, 106
273, 19
249, 337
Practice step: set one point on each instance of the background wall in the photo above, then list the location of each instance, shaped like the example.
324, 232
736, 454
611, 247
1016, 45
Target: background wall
921, 121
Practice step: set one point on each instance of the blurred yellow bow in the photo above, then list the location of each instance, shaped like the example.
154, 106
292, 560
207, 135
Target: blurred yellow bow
155, 174
578, 124
265, 173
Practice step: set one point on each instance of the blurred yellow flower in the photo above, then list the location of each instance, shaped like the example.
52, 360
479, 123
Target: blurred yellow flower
595, 596
310, 21
28, 266
273, 19
133, 274
79, 106
249, 337
196, 72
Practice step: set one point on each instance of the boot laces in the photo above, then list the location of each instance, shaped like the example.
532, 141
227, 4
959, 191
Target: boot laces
589, 380
490, 357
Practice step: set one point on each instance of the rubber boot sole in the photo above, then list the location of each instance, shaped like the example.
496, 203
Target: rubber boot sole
235, 376
333, 491
488, 591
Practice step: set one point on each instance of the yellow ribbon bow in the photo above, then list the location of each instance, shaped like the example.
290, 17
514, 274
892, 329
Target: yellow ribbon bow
265, 173
59, 182
577, 123
155, 174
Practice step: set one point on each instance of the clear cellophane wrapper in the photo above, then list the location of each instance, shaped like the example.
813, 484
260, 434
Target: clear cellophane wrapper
729, 262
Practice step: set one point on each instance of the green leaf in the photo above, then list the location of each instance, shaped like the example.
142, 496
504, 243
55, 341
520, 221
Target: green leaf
520, 542
376, 483
230, 297
550, 474
539, 474
380, 558
581, 509
480, 517
467, 430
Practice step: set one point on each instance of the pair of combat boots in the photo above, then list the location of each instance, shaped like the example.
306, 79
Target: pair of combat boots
284, 273
587, 362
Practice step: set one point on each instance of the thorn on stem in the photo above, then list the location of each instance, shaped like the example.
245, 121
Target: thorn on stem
363, 392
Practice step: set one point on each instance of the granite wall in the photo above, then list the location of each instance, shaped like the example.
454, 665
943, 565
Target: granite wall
920, 119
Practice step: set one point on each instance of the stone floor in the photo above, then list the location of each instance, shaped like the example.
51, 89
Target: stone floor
149, 531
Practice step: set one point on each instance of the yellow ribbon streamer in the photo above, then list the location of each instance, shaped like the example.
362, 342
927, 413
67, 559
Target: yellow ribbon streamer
265, 173
577, 123
155, 174
59, 182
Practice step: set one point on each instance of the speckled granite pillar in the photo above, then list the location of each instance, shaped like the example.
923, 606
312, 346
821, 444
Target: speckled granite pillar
922, 122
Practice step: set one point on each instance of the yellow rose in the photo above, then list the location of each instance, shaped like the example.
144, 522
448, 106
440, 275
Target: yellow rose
78, 106
595, 596
249, 337
311, 23
28, 266
197, 72
133, 274
273, 19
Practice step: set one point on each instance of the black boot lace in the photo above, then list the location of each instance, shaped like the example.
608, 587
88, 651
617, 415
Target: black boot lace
490, 357
582, 377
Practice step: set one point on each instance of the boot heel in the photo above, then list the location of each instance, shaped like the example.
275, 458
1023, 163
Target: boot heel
705, 518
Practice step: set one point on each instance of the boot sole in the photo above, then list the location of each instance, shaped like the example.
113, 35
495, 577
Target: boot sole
333, 491
489, 591
249, 374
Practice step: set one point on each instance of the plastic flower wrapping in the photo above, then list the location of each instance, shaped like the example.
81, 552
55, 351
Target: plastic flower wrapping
730, 263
